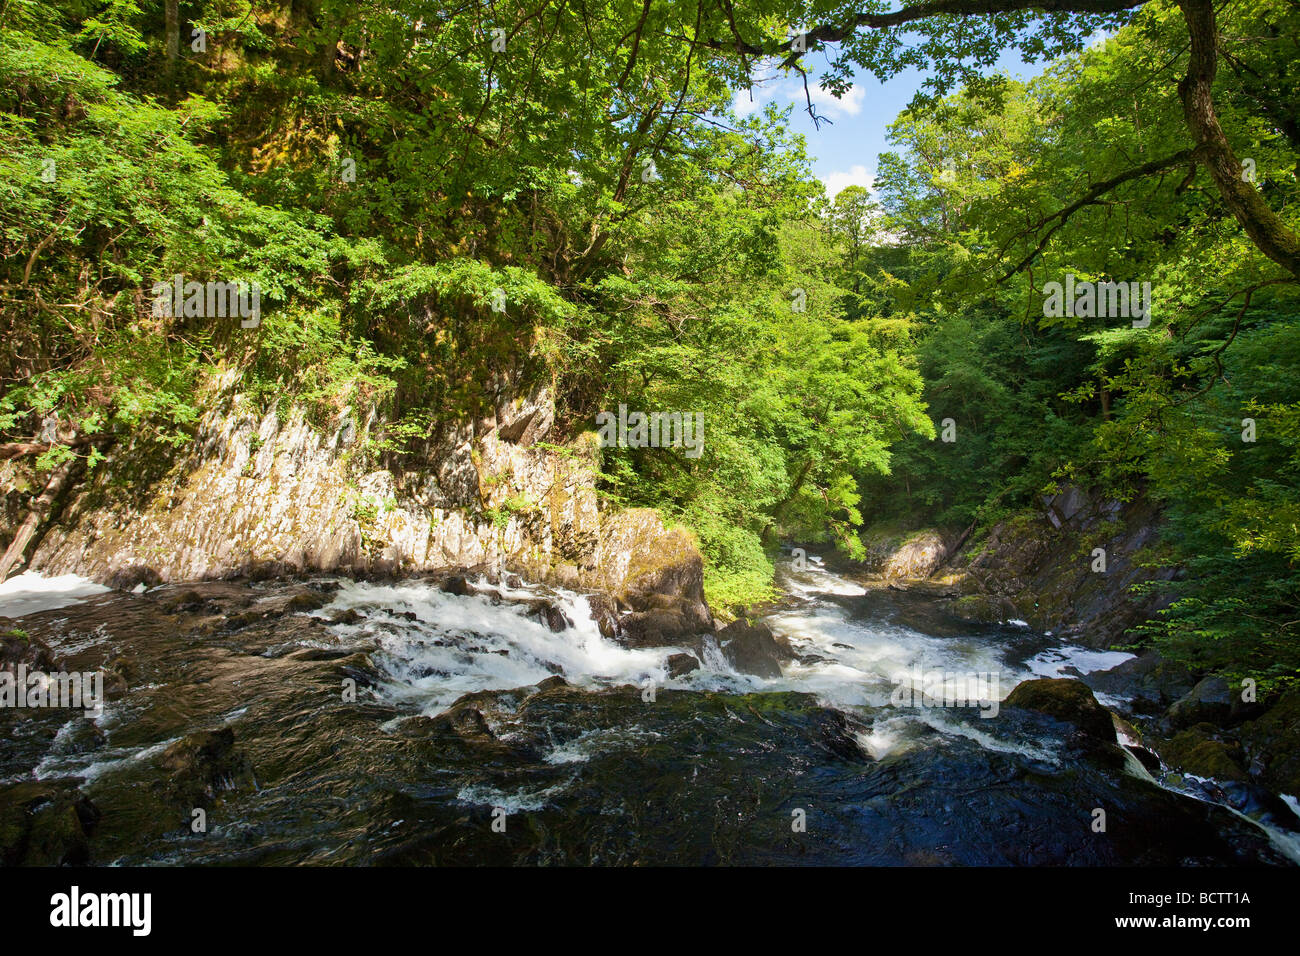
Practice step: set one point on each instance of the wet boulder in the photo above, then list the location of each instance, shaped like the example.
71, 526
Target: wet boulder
548, 614
306, 601
187, 601
201, 766
1210, 701
456, 584
751, 648
18, 647
680, 665
1067, 700
605, 613
465, 722
45, 823
1199, 751
665, 627
1151, 682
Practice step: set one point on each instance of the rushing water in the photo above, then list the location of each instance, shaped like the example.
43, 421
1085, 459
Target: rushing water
451, 752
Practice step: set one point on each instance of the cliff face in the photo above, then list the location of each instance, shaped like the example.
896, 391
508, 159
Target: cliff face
1043, 568
265, 495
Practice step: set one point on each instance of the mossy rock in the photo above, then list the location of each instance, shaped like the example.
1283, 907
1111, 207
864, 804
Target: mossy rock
1272, 744
45, 823
981, 608
1067, 700
1195, 751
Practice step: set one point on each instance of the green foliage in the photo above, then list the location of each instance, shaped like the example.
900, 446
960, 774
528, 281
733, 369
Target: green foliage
1155, 411
432, 221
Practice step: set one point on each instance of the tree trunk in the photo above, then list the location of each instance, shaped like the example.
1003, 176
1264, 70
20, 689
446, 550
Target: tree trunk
40, 508
173, 23
1243, 200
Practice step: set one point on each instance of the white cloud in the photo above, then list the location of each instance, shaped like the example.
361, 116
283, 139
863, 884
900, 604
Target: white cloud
857, 175
849, 104
744, 106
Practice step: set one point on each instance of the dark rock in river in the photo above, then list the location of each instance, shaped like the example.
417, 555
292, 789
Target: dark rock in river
456, 584
605, 614
17, 647
548, 614
1148, 679
1198, 751
1067, 700
45, 823
306, 601
201, 766
1147, 758
463, 721
664, 627
1210, 701
751, 648
681, 664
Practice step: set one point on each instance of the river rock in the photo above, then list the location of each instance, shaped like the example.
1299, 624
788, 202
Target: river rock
306, 601
463, 721
202, 765
664, 627
1148, 679
550, 614
751, 648
1198, 751
456, 584
1272, 744
1067, 700
1210, 701
605, 613
18, 647
45, 823
680, 665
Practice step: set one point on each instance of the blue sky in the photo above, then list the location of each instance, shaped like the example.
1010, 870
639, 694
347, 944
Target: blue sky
844, 151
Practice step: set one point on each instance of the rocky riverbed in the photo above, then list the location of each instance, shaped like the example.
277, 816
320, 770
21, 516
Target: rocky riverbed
477, 719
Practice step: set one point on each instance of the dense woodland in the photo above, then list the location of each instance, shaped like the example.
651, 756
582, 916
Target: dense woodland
381, 168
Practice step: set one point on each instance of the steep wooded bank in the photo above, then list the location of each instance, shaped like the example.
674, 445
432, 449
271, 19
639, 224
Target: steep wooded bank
447, 212
260, 496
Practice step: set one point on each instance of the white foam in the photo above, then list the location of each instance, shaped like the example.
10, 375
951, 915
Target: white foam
461, 644
813, 579
32, 591
1054, 661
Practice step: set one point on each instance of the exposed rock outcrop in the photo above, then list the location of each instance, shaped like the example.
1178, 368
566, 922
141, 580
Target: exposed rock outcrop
1067, 569
261, 495
895, 554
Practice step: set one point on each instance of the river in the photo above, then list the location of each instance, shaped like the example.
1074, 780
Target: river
392, 722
